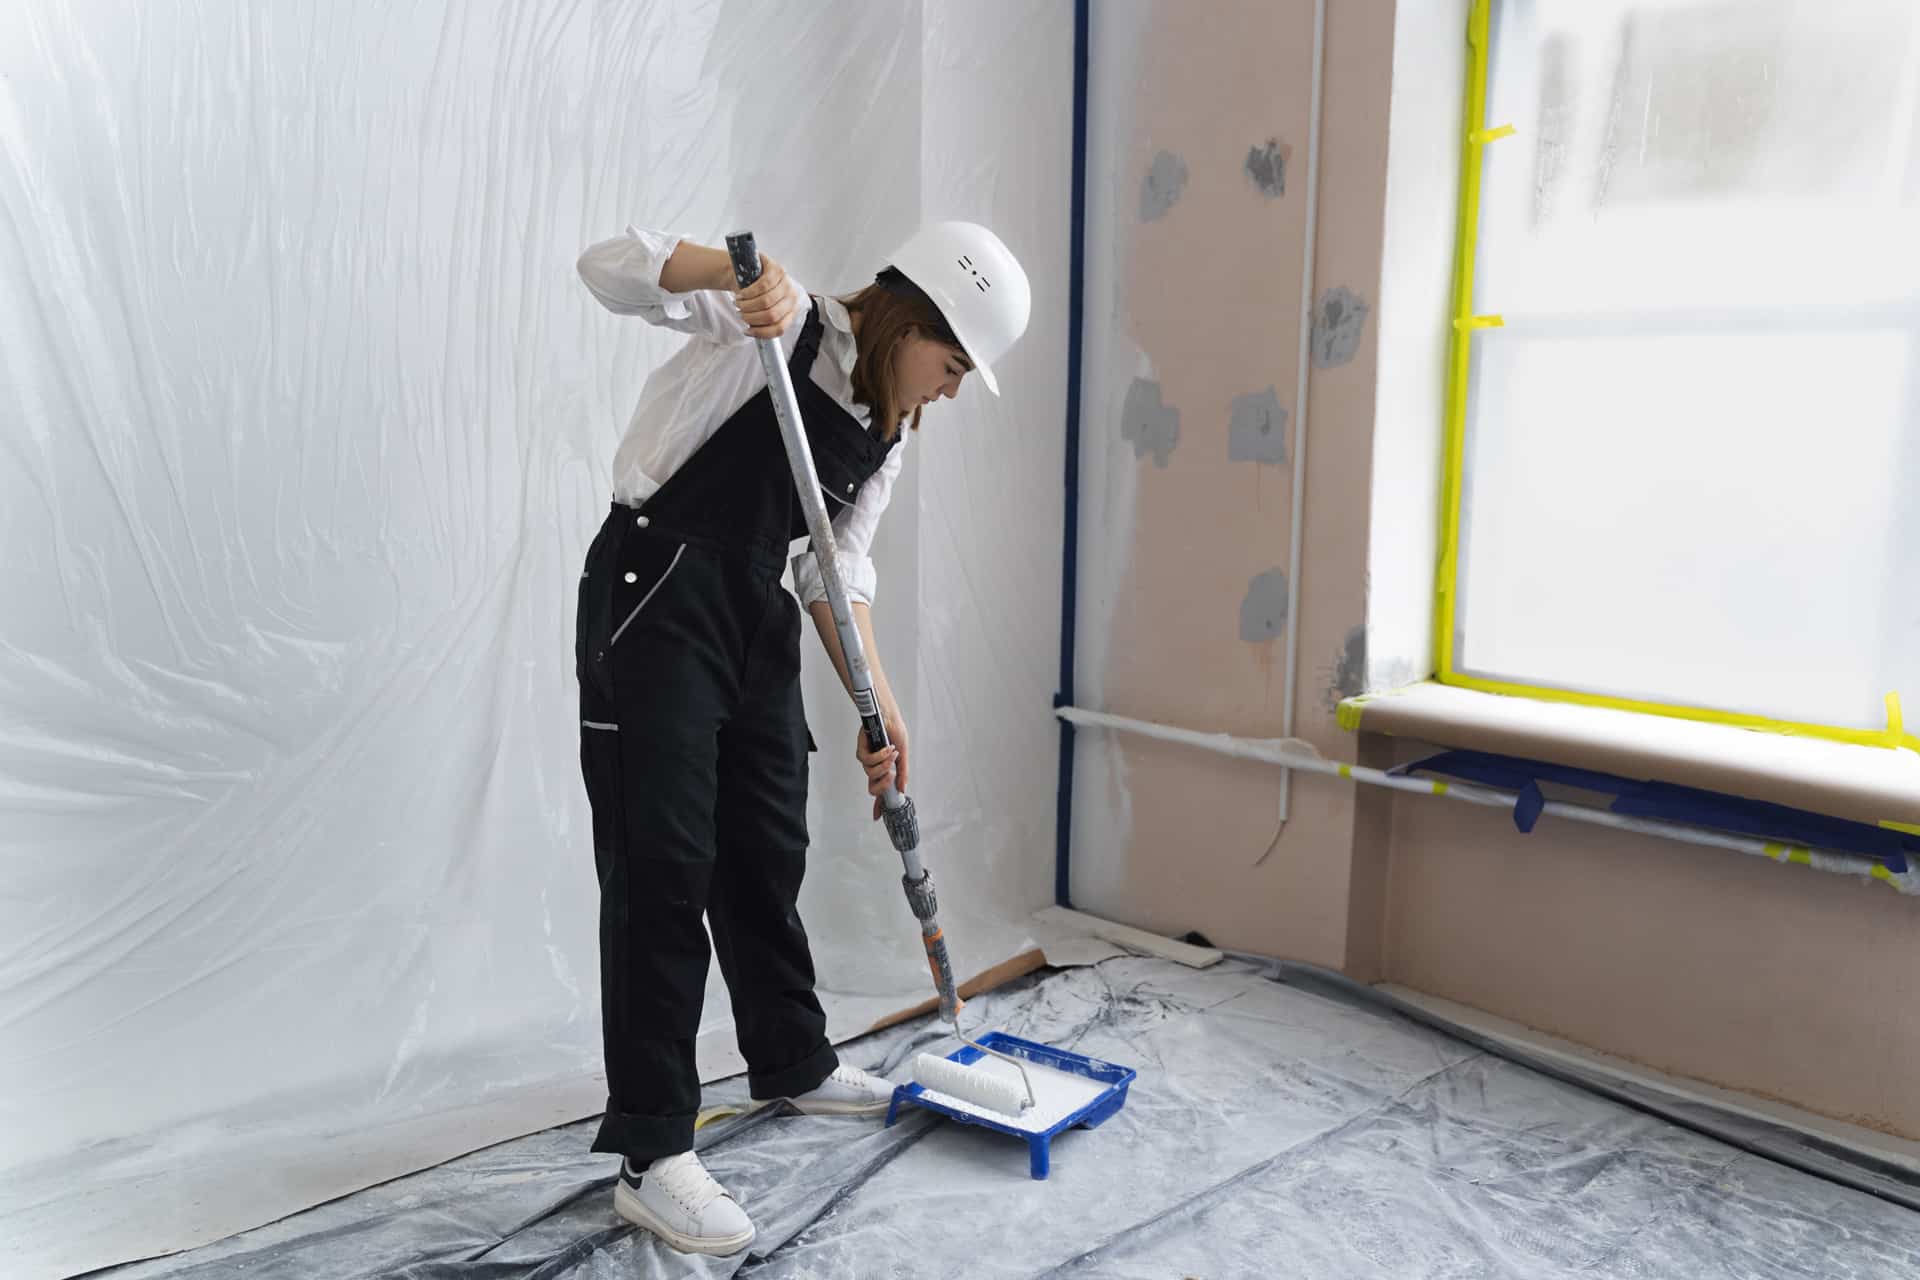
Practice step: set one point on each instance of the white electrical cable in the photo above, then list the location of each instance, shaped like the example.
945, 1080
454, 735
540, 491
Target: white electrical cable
1292, 753
1299, 459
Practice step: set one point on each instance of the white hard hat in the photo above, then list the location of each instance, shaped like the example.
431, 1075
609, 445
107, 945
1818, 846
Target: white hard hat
978, 285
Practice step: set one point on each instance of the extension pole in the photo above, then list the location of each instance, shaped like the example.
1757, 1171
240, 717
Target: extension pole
902, 826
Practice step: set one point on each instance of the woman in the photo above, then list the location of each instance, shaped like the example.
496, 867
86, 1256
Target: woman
693, 740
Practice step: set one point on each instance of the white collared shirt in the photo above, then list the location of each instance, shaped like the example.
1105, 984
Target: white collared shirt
701, 385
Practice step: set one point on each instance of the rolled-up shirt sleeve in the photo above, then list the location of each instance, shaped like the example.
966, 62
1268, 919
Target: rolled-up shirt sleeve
853, 530
623, 273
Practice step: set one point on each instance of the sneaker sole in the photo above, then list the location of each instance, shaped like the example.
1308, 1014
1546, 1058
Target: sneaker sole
841, 1108
630, 1207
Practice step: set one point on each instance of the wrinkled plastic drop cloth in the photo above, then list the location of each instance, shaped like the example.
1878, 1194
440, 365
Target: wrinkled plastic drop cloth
1274, 1129
306, 424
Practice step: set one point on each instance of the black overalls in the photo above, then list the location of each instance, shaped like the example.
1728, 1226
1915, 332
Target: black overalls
694, 746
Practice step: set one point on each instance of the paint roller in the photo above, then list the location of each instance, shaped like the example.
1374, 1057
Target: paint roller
970, 1084
903, 826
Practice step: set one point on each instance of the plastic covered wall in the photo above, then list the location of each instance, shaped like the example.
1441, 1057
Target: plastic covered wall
308, 422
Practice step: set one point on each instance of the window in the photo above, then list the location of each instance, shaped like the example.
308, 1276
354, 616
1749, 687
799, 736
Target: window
1683, 467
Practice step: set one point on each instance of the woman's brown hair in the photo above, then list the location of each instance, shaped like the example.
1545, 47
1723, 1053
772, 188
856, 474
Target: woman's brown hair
890, 309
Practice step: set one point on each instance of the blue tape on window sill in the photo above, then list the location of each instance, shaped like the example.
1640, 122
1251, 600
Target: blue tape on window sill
1528, 808
1671, 803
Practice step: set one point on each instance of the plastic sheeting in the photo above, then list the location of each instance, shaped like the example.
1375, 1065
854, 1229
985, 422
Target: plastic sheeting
1109, 490
1686, 447
1274, 1129
307, 424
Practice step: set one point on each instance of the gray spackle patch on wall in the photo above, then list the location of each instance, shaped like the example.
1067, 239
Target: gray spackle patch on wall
1337, 325
1267, 167
1153, 427
1257, 431
1263, 614
1161, 190
1349, 676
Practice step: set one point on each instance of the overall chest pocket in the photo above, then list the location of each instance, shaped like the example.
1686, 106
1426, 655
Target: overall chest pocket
845, 456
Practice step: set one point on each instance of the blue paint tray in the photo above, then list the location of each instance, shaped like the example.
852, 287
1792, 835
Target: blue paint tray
1084, 1113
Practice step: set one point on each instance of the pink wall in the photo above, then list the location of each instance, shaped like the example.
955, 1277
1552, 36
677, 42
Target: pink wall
1215, 294
1779, 981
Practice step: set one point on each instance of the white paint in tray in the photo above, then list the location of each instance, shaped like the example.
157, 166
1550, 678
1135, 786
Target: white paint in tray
1056, 1095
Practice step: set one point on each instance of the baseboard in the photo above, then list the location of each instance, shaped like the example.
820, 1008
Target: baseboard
1125, 935
1872, 1144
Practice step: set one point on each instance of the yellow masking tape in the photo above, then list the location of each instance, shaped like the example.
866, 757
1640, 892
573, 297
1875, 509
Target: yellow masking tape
1347, 715
1705, 715
1346, 771
1466, 232
1439, 788
1897, 735
1804, 857
1446, 595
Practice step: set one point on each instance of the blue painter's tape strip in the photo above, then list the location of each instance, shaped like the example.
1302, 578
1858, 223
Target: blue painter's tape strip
1527, 810
1069, 559
1691, 805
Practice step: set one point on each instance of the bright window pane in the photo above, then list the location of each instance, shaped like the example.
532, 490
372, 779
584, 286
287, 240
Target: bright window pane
1691, 450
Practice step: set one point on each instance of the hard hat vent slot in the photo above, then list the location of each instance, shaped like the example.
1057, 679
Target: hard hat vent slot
980, 282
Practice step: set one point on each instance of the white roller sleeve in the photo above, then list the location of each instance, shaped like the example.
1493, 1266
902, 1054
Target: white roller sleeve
963, 1082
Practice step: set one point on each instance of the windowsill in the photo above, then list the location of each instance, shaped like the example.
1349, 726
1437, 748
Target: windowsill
1865, 784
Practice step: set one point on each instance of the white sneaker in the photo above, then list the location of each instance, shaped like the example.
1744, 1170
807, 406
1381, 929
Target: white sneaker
849, 1091
678, 1200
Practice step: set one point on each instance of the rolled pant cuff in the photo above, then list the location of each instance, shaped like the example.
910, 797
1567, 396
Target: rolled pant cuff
790, 1082
644, 1138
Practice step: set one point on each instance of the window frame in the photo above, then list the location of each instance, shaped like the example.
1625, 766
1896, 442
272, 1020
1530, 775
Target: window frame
1464, 324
